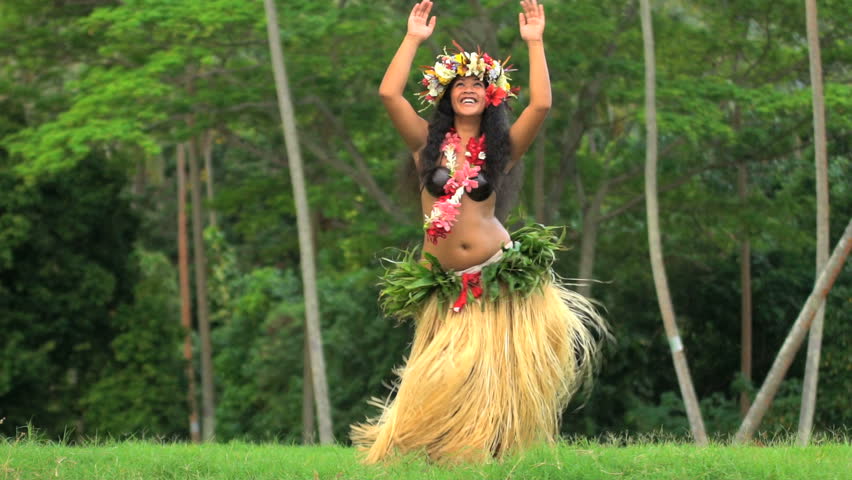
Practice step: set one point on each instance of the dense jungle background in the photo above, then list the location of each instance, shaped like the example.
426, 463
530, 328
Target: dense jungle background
99, 98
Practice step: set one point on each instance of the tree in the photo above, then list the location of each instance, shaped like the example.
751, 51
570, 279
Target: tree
660, 281
110, 81
794, 339
67, 275
185, 301
308, 262
138, 389
809, 390
208, 400
745, 295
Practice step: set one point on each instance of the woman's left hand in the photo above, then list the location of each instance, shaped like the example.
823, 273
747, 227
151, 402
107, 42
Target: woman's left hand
531, 20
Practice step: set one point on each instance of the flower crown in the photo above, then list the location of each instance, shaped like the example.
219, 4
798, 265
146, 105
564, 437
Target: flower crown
467, 64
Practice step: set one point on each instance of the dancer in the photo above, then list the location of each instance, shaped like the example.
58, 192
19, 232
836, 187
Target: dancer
500, 345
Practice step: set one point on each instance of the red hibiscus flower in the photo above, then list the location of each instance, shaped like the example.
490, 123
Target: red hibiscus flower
494, 95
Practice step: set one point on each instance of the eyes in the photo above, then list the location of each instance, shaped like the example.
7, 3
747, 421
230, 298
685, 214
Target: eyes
474, 84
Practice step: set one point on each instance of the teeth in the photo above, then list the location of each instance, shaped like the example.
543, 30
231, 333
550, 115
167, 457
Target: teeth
469, 101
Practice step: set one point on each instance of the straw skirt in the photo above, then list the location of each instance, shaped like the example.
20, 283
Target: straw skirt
489, 380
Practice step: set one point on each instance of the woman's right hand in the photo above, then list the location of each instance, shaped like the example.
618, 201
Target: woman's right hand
418, 26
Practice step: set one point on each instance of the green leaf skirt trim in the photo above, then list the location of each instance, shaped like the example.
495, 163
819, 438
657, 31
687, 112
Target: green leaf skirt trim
408, 281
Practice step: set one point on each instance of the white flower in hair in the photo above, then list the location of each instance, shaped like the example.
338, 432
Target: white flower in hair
445, 75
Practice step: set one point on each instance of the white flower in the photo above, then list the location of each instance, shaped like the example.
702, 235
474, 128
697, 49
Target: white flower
450, 153
445, 75
476, 67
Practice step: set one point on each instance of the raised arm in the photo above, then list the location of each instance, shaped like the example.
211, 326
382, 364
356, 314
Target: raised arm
410, 125
527, 125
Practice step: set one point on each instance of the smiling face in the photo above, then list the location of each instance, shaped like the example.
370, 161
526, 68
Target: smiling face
468, 96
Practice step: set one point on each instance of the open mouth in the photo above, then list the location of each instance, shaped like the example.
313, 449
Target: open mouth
468, 101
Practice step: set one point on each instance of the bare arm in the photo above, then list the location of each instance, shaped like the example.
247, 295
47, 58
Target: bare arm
411, 126
526, 127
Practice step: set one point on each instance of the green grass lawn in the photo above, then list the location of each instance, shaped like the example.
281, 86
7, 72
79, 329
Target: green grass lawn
28, 460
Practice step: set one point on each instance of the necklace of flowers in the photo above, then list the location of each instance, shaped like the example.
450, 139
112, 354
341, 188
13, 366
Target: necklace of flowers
439, 223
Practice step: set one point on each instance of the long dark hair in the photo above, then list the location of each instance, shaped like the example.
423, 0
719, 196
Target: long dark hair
495, 126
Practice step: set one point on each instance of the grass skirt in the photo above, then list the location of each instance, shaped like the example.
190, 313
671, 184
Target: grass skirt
489, 380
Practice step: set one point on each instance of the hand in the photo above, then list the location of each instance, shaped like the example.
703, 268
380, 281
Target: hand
418, 27
531, 21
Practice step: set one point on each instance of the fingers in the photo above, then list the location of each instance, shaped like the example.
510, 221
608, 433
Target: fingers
422, 9
532, 8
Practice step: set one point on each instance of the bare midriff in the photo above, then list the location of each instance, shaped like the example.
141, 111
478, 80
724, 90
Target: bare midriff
476, 236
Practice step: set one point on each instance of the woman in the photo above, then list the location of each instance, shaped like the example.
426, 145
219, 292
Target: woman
499, 345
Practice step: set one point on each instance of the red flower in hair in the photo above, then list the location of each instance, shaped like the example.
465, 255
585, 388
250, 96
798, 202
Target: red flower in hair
495, 95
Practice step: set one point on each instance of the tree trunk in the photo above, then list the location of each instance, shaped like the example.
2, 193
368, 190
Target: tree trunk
207, 152
660, 282
207, 389
809, 388
589, 240
745, 295
185, 314
795, 337
306, 250
308, 424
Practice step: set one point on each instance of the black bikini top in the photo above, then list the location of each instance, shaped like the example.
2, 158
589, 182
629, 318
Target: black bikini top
436, 181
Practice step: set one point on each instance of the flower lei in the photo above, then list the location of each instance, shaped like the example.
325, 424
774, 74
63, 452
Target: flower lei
441, 219
467, 64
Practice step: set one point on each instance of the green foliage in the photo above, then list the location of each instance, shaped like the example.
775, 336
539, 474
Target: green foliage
260, 363
264, 359
140, 390
408, 282
62, 280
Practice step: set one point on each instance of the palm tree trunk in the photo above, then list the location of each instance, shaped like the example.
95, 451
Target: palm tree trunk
745, 295
207, 389
809, 388
185, 314
589, 240
308, 423
795, 337
660, 282
306, 249
207, 152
